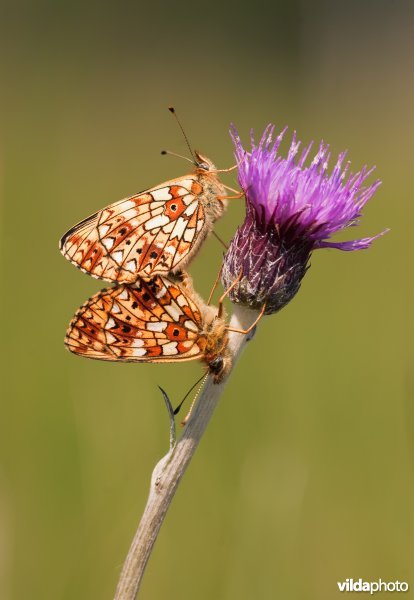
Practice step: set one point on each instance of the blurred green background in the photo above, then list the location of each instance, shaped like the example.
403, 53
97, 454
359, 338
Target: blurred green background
306, 474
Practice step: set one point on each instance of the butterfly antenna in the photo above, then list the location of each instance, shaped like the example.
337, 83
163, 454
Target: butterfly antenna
177, 410
172, 110
188, 415
175, 154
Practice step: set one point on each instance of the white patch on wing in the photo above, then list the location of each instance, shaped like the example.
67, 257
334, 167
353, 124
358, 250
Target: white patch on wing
161, 194
169, 227
108, 243
123, 295
161, 293
156, 326
129, 214
128, 204
173, 310
169, 349
178, 230
138, 352
110, 338
158, 221
137, 343
187, 344
169, 249
191, 208
191, 325
181, 191
188, 199
189, 234
103, 230
131, 265
111, 323
118, 256
186, 184
182, 300
115, 308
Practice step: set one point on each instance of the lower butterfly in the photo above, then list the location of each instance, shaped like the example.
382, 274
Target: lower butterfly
152, 233
161, 320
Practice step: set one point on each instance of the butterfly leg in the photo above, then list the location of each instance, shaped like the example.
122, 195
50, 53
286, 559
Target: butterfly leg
213, 289
230, 189
224, 170
235, 197
238, 193
227, 292
230, 169
248, 330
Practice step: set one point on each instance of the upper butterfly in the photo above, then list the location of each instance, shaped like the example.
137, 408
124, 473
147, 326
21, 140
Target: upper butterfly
152, 233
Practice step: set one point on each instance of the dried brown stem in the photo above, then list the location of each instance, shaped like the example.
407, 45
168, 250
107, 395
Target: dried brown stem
170, 469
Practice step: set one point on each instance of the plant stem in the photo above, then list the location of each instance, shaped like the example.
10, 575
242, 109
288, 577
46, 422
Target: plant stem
170, 469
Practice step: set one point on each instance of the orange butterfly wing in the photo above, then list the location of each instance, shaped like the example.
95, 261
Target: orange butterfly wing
141, 236
153, 321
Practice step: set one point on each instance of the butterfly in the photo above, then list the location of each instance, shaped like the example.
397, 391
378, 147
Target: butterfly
152, 233
161, 320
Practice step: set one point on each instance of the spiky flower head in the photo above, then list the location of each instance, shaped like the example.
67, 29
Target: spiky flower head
291, 210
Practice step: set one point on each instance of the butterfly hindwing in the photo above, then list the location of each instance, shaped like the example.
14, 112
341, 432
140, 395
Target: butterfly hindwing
152, 321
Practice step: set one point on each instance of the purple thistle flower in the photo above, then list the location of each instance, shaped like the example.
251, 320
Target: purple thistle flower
291, 210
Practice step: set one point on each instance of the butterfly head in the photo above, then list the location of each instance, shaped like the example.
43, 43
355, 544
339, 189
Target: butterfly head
214, 192
216, 367
216, 351
203, 163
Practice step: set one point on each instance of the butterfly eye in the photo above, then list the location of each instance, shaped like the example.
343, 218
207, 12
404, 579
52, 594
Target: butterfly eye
203, 165
216, 365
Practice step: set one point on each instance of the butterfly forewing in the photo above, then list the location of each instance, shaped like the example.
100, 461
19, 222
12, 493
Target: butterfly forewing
145, 235
152, 321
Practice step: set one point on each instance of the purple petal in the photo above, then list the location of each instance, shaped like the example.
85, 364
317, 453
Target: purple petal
360, 244
279, 188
